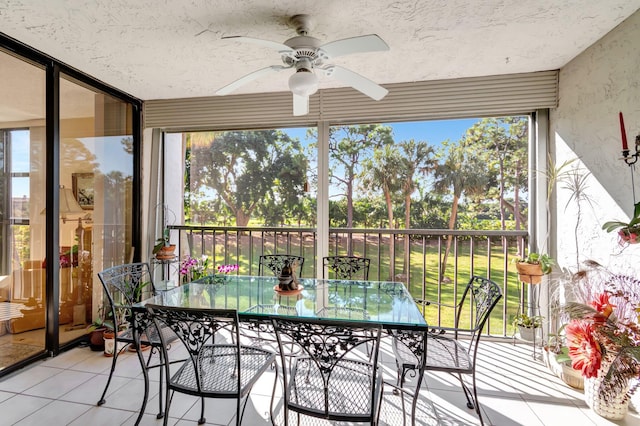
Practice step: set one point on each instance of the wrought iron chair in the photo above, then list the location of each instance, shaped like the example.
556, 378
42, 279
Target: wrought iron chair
123, 286
332, 378
275, 263
261, 333
211, 369
346, 267
453, 350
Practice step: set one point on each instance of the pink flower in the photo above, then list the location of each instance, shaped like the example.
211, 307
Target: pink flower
601, 304
225, 269
584, 351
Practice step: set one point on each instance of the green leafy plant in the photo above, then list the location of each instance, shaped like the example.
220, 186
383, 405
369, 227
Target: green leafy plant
101, 321
524, 320
544, 260
163, 241
628, 231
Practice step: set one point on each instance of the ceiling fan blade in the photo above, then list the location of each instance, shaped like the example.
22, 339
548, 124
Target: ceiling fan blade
300, 105
249, 78
282, 48
347, 46
358, 82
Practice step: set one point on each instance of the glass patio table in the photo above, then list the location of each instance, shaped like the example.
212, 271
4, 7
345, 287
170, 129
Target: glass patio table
256, 299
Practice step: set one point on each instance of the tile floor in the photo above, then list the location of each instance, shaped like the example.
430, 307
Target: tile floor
514, 390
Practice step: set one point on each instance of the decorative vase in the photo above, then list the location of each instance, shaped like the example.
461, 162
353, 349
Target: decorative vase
614, 409
530, 273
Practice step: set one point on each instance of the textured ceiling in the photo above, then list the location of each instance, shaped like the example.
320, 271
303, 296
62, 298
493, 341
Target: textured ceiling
157, 49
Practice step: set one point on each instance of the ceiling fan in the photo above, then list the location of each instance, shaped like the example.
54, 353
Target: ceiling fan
308, 56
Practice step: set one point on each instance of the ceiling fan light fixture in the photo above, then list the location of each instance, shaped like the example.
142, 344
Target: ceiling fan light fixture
303, 83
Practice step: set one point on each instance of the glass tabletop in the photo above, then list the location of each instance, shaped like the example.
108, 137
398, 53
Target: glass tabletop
387, 303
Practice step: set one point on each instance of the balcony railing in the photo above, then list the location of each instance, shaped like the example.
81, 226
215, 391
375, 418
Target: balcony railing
417, 257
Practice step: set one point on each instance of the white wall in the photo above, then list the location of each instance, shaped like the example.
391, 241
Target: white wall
593, 88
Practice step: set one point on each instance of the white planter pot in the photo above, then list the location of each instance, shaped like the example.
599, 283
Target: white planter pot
527, 333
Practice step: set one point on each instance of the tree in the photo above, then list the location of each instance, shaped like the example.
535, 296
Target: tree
382, 172
417, 157
250, 171
503, 144
349, 146
460, 172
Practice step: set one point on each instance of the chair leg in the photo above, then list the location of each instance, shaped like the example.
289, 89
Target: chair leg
414, 403
273, 393
168, 396
102, 399
475, 400
161, 368
467, 393
202, 419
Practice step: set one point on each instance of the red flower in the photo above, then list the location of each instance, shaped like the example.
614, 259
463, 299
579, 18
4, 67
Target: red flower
601, 304
584, 351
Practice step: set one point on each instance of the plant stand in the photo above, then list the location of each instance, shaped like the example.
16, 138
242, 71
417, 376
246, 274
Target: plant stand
532, 308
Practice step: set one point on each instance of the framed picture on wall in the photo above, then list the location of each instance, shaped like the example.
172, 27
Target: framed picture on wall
82, 185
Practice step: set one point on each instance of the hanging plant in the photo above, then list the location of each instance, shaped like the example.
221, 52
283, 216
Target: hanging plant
628, 232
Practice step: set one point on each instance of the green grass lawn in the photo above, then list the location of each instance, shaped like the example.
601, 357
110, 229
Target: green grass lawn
424, 282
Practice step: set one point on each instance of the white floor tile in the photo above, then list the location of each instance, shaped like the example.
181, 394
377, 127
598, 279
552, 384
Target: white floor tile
56, 413
514, 390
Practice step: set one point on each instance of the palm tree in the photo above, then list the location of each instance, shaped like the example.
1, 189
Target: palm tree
381, 173
461, 172
418, 158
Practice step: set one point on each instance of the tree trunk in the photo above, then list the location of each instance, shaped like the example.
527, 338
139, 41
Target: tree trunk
392, 246
452, 223
407, 241
503, 223
516, 196
242, 219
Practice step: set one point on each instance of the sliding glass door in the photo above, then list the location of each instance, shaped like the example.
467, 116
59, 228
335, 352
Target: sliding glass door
22, 202
96, 187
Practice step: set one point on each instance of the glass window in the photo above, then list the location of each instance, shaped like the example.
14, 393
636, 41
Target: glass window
22, 201
96, 179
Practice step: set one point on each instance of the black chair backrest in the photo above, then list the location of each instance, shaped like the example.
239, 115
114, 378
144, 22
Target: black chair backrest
484, 294
332, 350
197, 329
275, 263
125, 285
346, 267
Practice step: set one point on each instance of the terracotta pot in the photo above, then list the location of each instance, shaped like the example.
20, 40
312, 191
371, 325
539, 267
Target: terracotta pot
166, 252
96, 339
529, 273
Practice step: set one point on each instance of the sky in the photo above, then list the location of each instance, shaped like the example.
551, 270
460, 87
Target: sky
433, 132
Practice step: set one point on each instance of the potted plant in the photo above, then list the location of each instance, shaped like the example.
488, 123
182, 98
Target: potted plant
527, 326
97, 329
532, 267
163, 249
628, 232
556, 358
603, 336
